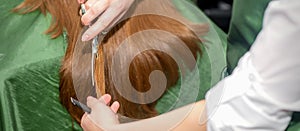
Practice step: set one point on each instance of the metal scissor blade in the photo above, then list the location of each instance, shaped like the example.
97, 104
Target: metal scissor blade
80, 105
82, 68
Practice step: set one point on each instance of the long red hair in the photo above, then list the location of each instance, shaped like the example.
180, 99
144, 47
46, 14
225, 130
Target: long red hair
65, 18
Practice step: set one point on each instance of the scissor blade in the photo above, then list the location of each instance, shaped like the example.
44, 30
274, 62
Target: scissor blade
82, 70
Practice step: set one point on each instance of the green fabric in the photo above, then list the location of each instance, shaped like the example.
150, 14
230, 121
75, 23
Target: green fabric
295, 123
29, 65
210, 65
32, 99
30, 62
246, 23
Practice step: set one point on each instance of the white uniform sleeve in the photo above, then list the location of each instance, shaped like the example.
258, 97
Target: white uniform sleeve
264, 89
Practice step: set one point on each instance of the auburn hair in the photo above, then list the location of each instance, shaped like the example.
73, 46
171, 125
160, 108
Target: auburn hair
65, 18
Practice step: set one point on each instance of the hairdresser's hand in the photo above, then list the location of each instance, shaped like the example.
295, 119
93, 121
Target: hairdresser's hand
102, 116
109, 12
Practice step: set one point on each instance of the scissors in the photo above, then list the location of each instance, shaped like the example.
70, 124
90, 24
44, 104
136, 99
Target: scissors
80, 105
85, 84
95, 46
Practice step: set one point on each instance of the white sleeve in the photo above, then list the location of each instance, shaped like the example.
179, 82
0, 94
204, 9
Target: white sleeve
264, 89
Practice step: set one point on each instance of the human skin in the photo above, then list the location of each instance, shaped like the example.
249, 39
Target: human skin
109, 12
104, 118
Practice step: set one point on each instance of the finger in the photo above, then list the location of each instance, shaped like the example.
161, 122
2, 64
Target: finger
83, 123
89, 125
122, 7
83, 117
91, 101
115, 21
80, 12
80, 1
94, 11
106, 98
102, 23
115, 107
89, 3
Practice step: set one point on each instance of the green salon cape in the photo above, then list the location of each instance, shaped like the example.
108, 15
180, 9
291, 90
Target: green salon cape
29, 65
30, 62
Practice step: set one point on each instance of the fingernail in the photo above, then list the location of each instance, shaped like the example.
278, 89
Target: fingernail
85, 38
